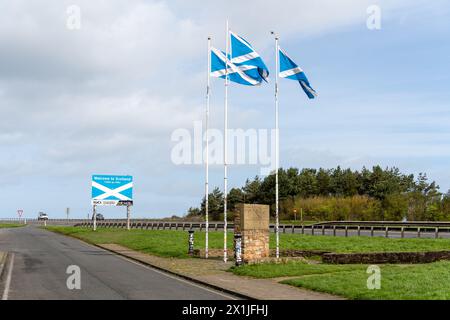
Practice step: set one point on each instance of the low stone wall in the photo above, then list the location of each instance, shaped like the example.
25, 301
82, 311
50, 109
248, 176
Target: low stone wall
385, 257
299, 253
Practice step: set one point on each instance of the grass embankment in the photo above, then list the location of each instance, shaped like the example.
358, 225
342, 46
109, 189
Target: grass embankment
424, 281
10, 225
420, 281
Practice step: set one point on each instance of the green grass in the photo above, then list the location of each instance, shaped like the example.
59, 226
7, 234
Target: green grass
164, 243
359, 244
174, 243
398, 282
10, 225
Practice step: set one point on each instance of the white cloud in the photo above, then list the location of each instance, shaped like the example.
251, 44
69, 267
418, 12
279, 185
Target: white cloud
108, 96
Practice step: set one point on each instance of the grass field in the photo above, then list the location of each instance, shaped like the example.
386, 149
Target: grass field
398, 282
174, 243
10, 225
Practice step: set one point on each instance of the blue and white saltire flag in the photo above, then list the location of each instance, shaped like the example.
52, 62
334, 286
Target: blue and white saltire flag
246, 75
289, 70
243, 54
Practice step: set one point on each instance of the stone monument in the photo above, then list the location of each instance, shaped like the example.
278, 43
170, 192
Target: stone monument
252, 221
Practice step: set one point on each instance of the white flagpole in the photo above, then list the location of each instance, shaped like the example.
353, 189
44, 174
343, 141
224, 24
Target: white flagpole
225, 152
208, 88
277, 150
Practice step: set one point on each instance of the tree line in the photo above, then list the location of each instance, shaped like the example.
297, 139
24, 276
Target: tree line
338, 194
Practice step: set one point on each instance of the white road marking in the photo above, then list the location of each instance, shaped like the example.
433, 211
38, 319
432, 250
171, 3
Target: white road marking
8, 278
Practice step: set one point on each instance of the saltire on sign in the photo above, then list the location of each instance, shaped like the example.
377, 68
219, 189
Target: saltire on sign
243, 55
112, 190
245, 75
290, 70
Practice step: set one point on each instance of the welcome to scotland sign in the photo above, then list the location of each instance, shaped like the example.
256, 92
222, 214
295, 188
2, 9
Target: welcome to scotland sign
109, 190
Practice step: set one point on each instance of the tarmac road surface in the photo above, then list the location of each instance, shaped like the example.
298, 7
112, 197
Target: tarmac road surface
41, 258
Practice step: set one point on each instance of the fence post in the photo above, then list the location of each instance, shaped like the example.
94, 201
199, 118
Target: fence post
436, 232
284, 228
334, 230
371, 231
303, 229
359, 230
418, 232
323, 230
346, 231
293, 228
387, 232
402, 232
312, 230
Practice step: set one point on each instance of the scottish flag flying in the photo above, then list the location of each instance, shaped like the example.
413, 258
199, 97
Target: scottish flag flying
243, 54
246, 75
289, 70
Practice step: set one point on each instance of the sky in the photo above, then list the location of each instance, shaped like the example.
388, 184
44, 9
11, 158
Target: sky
105, 98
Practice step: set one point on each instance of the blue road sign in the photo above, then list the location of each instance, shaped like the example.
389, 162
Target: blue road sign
109, 190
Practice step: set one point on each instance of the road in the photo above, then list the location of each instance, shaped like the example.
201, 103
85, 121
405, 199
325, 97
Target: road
41, 259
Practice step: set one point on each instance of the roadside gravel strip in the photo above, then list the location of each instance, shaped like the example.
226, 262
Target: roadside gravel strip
2, 262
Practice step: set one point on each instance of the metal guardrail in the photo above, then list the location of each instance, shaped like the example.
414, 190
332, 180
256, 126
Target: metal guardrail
358, 228
314, 229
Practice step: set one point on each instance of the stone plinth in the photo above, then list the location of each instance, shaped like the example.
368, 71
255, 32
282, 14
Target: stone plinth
252, 221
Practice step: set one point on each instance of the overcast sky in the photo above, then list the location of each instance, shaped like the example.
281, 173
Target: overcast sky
105, 98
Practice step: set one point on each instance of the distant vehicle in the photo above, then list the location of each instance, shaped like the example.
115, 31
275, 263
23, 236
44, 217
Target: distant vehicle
42, 216
99, 217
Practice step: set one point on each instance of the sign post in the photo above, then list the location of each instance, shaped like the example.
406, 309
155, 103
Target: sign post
20, 213
128, 216
112, 190
94, 215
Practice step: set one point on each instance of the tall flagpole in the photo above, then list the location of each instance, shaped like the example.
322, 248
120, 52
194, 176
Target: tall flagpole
277, 150
208, 89
225, 153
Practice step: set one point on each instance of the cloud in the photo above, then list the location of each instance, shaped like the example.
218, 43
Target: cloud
107, 97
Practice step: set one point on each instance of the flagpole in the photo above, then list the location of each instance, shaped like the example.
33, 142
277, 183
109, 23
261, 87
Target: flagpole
208, 88
225, 152
277, 150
